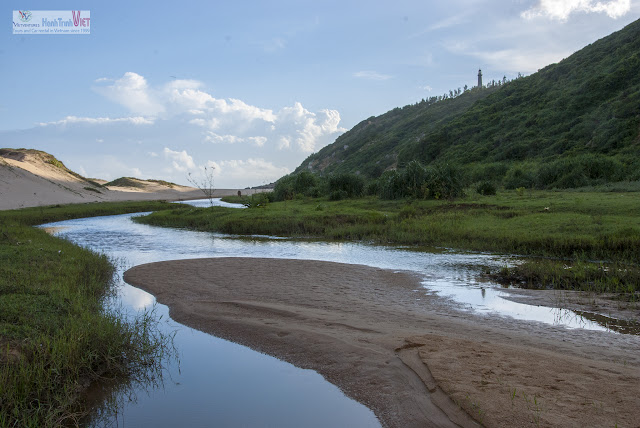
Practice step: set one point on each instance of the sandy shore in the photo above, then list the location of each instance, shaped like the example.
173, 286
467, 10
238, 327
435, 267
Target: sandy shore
406, 354
27, 179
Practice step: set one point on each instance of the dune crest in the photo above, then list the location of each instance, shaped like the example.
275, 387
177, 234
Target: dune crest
31, 178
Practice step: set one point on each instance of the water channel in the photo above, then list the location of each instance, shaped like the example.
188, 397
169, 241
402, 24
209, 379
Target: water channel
218, 383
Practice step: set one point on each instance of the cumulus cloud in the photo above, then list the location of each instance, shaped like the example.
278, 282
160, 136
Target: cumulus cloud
306, 128
132, 91
371, 75
180, 161
561, 9
226, 121
254, 170
175, 126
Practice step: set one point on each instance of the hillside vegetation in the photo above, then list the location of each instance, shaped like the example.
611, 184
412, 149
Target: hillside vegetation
571, 124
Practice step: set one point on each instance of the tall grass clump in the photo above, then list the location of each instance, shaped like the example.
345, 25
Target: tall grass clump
440, 181
56, 337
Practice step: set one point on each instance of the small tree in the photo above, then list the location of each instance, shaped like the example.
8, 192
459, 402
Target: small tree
204, 184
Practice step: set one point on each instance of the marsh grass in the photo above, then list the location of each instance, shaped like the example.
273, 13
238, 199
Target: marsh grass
56, 337
563, 227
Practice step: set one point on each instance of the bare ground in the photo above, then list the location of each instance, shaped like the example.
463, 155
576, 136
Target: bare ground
415, 363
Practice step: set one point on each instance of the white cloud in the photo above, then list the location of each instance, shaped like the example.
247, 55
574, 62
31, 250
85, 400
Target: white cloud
229, 121
132, 91
225, 139
258, 141
100, 120
561, 9
515, 60
307, 128
247, 171
191, 125
180, 161
371, 75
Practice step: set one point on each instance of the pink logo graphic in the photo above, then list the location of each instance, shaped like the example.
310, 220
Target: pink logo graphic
77, 21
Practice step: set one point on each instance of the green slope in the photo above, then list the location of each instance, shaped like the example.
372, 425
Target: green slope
580, 115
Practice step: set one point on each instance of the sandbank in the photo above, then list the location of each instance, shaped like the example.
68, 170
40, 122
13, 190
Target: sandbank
410, 356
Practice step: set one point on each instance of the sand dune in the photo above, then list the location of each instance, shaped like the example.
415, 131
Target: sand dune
31, 178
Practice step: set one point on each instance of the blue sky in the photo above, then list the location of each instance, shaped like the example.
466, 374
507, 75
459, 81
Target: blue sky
160, 89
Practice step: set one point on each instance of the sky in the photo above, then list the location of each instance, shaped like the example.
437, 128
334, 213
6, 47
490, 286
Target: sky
250, 89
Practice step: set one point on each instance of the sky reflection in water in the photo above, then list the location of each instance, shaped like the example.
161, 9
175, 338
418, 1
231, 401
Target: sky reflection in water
235, 386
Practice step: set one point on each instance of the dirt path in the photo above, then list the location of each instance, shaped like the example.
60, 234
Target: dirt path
411, 358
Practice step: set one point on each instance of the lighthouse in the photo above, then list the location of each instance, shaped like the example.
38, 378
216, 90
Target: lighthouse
480, 78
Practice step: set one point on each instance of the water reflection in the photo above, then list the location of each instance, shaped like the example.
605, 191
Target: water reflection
234, 386
214, 382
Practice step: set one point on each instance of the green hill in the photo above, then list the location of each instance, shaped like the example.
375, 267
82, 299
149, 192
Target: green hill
570, 124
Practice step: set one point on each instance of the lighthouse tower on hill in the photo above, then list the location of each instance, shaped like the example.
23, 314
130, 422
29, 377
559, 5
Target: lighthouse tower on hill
480, 79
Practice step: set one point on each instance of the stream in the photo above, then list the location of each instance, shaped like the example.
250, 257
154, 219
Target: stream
217, 382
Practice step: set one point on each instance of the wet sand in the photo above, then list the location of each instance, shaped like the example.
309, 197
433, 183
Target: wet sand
406, 354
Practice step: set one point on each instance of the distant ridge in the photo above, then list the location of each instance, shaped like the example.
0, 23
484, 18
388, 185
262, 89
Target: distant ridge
581, 112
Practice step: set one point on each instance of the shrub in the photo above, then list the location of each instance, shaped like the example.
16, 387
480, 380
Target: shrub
486, 188
414, 177
351, 184
519, 176
443, 181
391, 185
338, 195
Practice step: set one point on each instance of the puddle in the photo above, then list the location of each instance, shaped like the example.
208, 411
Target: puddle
232, 385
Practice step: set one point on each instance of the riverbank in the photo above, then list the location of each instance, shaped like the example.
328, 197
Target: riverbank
55, 336
588, 241
414, 362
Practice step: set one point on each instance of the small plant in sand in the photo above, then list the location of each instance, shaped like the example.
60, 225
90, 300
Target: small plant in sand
204, 183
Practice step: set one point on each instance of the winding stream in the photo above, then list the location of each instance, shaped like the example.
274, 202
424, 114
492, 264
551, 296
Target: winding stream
221, 383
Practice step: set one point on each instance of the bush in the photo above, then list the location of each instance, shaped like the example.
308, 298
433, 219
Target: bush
434, 182
414, 177
288, 187
519, 176
338, 195
351, 184
391, 185
486, 188
443, 181
257, 200
372, 188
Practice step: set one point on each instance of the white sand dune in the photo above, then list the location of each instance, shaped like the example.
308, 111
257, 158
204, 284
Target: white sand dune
30, 178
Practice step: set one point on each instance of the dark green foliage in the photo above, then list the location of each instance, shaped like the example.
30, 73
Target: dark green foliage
338, 195
486, 188
520, 175
575, 123
288, 187
351, 184
257, 200
440, 181
392, 185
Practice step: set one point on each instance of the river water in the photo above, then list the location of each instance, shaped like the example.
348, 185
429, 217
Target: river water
218, 383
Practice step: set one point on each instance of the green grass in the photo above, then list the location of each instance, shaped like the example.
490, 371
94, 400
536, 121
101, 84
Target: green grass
568, 227
55, 336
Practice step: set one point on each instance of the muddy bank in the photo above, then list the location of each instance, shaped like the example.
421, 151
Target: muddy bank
390, 345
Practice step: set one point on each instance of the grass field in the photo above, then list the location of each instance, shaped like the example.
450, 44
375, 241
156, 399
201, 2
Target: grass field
579, 240
55, 336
